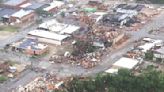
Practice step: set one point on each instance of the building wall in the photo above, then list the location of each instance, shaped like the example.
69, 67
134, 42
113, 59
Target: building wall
52, 10
28, 18
44, 40
36, 52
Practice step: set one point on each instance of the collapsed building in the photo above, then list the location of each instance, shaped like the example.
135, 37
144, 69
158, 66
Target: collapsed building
108, 35
119, 19
135, 7
123, 14
45, 83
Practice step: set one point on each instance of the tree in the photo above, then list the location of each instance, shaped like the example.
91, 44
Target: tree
124, 81
81, 47
2, 78
41, 12
149, 55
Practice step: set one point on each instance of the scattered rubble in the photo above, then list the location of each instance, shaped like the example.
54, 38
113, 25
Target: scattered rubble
11, 70
48, 82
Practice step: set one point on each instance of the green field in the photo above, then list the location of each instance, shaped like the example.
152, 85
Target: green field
8, 28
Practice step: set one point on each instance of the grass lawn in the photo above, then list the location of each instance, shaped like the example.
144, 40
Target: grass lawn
2, 78
8, 28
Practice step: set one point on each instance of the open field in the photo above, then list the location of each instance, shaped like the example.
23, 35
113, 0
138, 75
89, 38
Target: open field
7, 31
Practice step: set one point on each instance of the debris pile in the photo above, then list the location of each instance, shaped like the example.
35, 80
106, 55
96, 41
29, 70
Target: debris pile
89, 60
11, 70
49, 82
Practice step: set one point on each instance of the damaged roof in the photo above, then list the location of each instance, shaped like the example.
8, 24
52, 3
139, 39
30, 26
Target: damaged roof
30, 44
136, 7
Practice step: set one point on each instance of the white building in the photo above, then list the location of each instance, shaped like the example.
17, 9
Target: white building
123, 62
59, 28
48, 37
54, 4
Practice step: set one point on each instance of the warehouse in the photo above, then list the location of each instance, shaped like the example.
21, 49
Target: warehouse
48, 37
70, 30
59, 28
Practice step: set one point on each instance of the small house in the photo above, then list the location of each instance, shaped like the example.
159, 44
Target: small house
5, 14
23, 16
29, 46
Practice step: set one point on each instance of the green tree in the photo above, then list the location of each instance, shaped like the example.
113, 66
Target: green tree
125, 81
149, 55
82, 47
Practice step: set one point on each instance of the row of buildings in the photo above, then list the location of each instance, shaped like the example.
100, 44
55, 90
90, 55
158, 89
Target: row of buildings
147, 49
49, 32
25, 11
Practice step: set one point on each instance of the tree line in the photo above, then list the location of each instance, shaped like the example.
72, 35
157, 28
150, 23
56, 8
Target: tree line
124, 81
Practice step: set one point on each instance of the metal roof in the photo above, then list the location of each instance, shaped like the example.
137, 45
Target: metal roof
14, 2
126, 63
6, 12
32, 43
22, 13
48, 35
35, 6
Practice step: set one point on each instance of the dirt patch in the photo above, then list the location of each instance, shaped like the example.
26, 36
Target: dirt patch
7, 31
5, 34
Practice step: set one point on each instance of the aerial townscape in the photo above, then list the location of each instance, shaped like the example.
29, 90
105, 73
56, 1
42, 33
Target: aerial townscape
81, 45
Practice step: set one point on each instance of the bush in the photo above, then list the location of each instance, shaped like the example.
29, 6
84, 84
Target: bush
82, 47
149, 55
2, 79
124, 81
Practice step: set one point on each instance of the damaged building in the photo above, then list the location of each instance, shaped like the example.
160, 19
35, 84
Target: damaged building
123, 14
119, 19
29, 46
